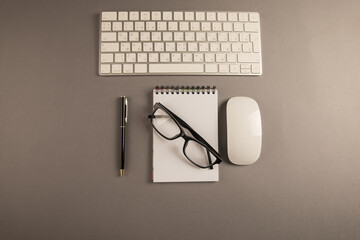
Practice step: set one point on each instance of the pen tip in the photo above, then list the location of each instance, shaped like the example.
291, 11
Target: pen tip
121, 172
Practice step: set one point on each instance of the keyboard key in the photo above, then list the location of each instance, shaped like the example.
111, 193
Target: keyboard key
170, 47
173, 26
161, 26
216, 26
255, 68
198, 57
105, 68
200, 16
209, 57
176, 68
106, 26
195, 26
122, 36
164, 57
247, 47
252, 27
192, 47
254, 17
128, 68
225, 47
244, 37
175, 57
227, 27
243, 17
140, 68
125, 47
189, 16
215, 47
136, 47
211, 68
211, 16
167, 36
108, 16
167, 16
178, 16
189, 36
231, 57
223, 68
133, 36
156, 36
153, 57
233, 37
134, 16
220, 57
144, 36
131, 57
187, 57
256, 46
156, 16
248, 57
221, 16
178, 36
107, 57
109, 47
205, 26
128, 26
184, 26
232, 16
236, 47
142, 57
159, 47
119, 57
150, 26
234, 68
245, 70
139, 26
200, 36
108, 36
203, 47
117, 26
222, 37
123, 16
181, 47
238, 27
148, 47
116, 68
211, 37
145, 16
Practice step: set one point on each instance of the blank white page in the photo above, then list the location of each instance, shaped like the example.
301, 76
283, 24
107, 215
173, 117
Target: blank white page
200, 111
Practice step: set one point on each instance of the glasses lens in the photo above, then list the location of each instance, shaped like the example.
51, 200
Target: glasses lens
199, 154
165, 124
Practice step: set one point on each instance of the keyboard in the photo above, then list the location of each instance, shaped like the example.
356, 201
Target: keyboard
179, 43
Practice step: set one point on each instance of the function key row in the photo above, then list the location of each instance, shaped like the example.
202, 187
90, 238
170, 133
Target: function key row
180, 16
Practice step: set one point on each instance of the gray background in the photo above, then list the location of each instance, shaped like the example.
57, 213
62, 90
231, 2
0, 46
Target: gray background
58, 124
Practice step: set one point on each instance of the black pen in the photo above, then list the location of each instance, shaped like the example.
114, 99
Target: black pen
123, 121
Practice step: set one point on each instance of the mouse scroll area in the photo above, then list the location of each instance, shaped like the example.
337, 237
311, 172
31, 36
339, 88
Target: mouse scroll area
244, 130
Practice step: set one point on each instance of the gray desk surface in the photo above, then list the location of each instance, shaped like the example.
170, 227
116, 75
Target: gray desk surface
58, 123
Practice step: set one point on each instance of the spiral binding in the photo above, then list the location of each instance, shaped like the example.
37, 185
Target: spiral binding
185, 90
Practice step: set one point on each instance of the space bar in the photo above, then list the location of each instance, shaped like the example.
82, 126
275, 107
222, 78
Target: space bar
176, 68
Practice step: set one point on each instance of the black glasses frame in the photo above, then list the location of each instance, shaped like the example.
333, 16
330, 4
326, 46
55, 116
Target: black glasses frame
197, 138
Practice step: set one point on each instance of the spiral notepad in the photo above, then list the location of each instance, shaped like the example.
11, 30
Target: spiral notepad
198, 106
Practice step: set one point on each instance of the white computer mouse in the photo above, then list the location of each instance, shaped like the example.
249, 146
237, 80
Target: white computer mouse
244, 131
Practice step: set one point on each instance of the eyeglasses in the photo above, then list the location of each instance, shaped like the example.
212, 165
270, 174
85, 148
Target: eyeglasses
195, 148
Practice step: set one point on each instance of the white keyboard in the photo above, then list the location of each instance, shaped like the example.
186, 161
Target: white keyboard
179, 43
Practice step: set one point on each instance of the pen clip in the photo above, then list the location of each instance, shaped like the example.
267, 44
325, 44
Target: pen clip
126, 110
